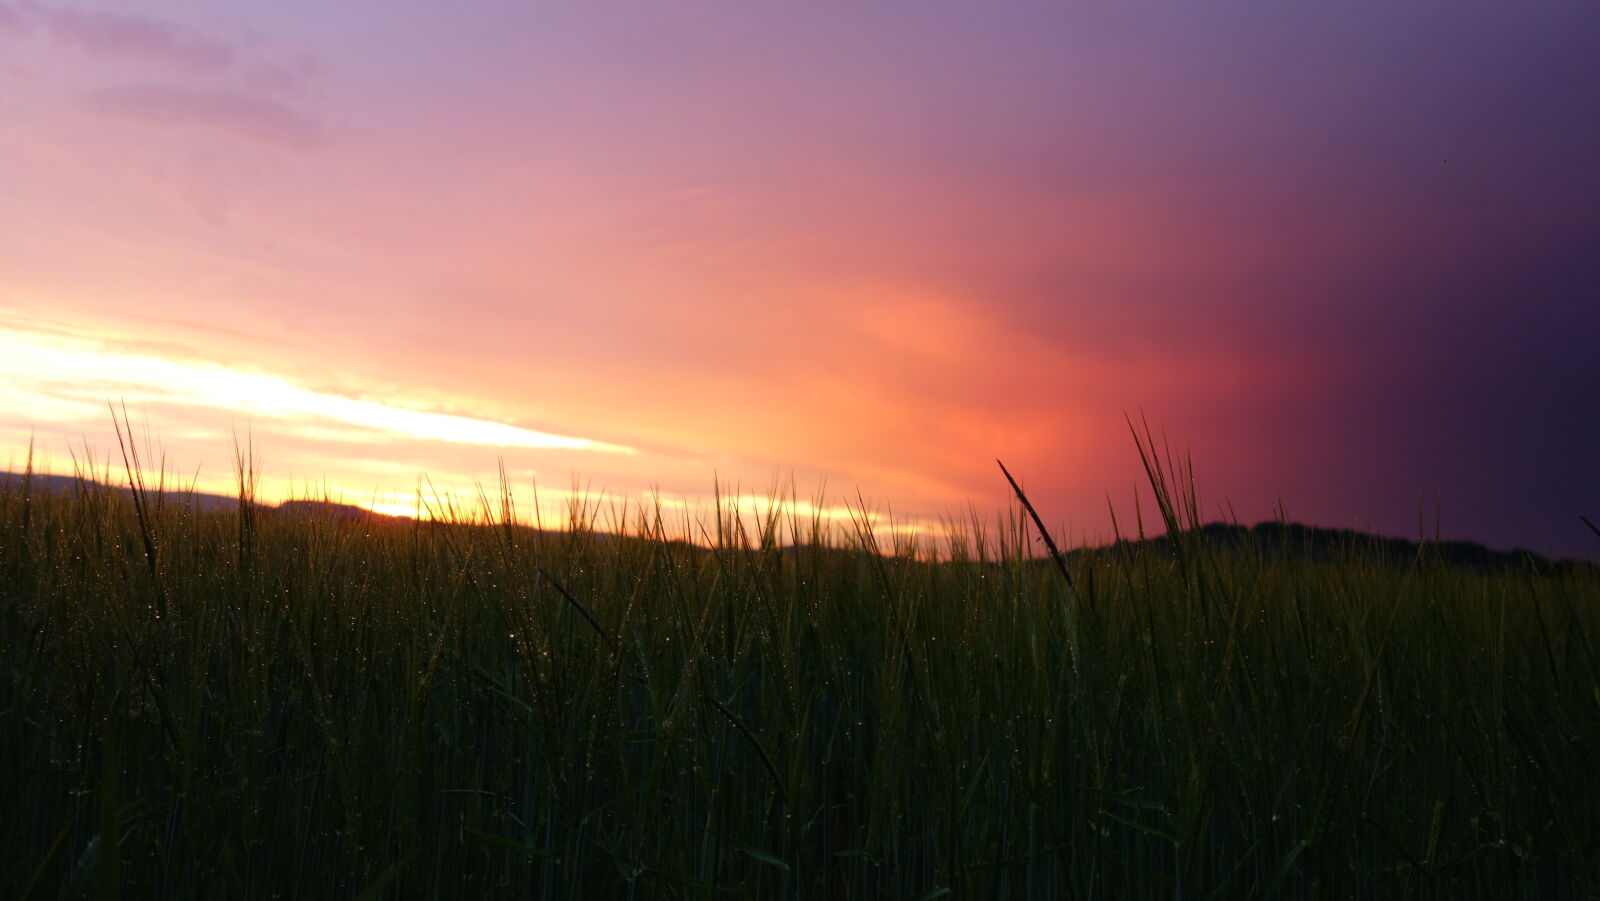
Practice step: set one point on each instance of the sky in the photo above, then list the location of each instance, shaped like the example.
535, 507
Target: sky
1343, 255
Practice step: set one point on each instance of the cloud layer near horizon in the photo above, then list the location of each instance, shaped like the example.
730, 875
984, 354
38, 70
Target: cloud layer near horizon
1345, 256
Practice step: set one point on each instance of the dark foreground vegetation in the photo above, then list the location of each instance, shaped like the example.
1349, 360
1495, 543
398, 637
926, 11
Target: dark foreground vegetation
237, 703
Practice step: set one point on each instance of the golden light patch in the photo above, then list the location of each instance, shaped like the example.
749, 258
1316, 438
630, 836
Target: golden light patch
56, 378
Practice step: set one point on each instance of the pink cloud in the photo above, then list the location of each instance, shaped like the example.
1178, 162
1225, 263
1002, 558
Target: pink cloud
145, 38
246, 115
290, 76
12, 21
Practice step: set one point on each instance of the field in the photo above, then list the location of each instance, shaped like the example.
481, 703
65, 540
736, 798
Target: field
254, 704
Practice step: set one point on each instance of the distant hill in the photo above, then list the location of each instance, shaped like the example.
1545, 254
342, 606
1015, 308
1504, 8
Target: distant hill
199, 499
68, 484
1315, 542
330, 510
1275, 538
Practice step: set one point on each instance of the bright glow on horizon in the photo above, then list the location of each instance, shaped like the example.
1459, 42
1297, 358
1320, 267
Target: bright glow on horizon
61, 377
54, 378
684, 518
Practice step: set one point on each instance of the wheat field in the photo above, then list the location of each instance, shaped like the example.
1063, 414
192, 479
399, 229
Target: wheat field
254, 703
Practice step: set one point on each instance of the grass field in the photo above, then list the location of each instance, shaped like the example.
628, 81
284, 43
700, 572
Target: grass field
252, 704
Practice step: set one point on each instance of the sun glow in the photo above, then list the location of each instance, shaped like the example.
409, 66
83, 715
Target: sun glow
53, 378
358, 452
744, 517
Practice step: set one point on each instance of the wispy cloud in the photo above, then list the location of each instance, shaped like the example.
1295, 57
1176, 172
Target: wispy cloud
290, 75
130, 36
236, 84
236, 112
56, 379
12, 21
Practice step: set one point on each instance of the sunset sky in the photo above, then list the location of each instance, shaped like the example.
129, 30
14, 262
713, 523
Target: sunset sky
1348, 255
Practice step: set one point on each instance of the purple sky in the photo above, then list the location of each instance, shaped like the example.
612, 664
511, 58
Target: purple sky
1345, 253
